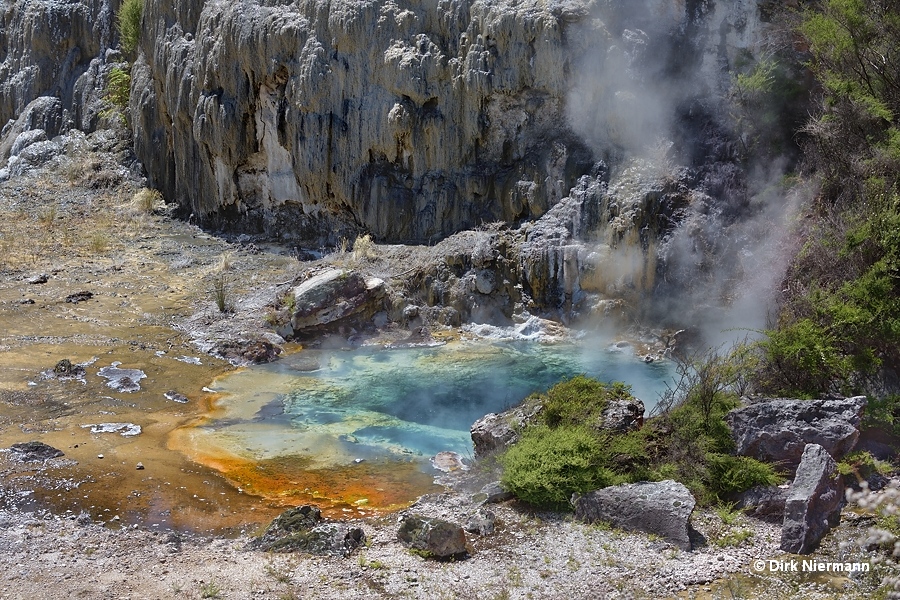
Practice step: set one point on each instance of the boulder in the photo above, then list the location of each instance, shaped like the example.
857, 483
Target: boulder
482, 522
333, 296
662, 508
33, 452
814, 501
623, 415
764, 502
434, 537
301, 529
778, 430
495, 431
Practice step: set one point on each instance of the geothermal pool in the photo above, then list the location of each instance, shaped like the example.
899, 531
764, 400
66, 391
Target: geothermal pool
354, 429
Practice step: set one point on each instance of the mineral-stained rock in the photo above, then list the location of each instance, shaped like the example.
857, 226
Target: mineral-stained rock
814, 501
301, 529
778, 430
434, 537
662, 508
34, 451
333, 296
247, 352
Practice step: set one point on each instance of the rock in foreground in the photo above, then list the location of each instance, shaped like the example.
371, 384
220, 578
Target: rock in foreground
434, 537
814, 501
33, 452
300, 529
779, 430
663, 508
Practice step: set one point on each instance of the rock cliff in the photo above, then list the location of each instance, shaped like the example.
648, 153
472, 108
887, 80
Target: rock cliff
410, 120
592, 127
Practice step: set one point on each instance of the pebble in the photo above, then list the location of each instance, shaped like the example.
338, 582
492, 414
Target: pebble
99, 456
139, 466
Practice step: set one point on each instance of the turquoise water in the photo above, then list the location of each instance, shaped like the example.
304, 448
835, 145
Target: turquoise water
374, 404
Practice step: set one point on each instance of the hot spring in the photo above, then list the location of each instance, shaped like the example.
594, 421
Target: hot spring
353, 430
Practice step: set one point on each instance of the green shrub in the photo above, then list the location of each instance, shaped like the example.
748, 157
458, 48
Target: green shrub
862, 465
580, 401
547, 466
129, 23
733, 474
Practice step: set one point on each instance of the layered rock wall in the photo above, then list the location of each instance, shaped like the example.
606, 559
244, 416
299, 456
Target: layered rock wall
56, 49
409, 120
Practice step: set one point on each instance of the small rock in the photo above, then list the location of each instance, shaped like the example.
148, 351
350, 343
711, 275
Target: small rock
139, 466
481, 523
494, 493
176, 397
26, 301
99, 456
37, 279
79, 297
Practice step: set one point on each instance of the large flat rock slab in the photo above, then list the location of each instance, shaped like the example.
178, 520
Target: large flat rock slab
662, 508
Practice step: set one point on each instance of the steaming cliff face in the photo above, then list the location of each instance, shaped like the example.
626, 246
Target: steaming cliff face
594, 126
411, 120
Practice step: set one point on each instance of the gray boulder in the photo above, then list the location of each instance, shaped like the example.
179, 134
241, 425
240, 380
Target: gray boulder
301, 529
482, 522
333, 296
778, 430
623, 416
764, 502
662, 508
496, 431
434, 537
814, 501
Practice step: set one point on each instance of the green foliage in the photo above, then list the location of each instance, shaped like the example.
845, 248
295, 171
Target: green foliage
884, 413
862, 465
129, 24
547, 466
732, 474
580, 400
118, 87
690, 442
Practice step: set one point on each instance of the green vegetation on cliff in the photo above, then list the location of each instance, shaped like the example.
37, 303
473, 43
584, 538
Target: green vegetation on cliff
128, 21
838, 328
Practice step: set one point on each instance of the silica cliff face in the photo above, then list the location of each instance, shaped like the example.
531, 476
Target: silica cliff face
55, 52
594, 129
409, 120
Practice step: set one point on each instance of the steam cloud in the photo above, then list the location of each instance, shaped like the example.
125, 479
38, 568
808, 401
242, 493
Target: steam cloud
651, 86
